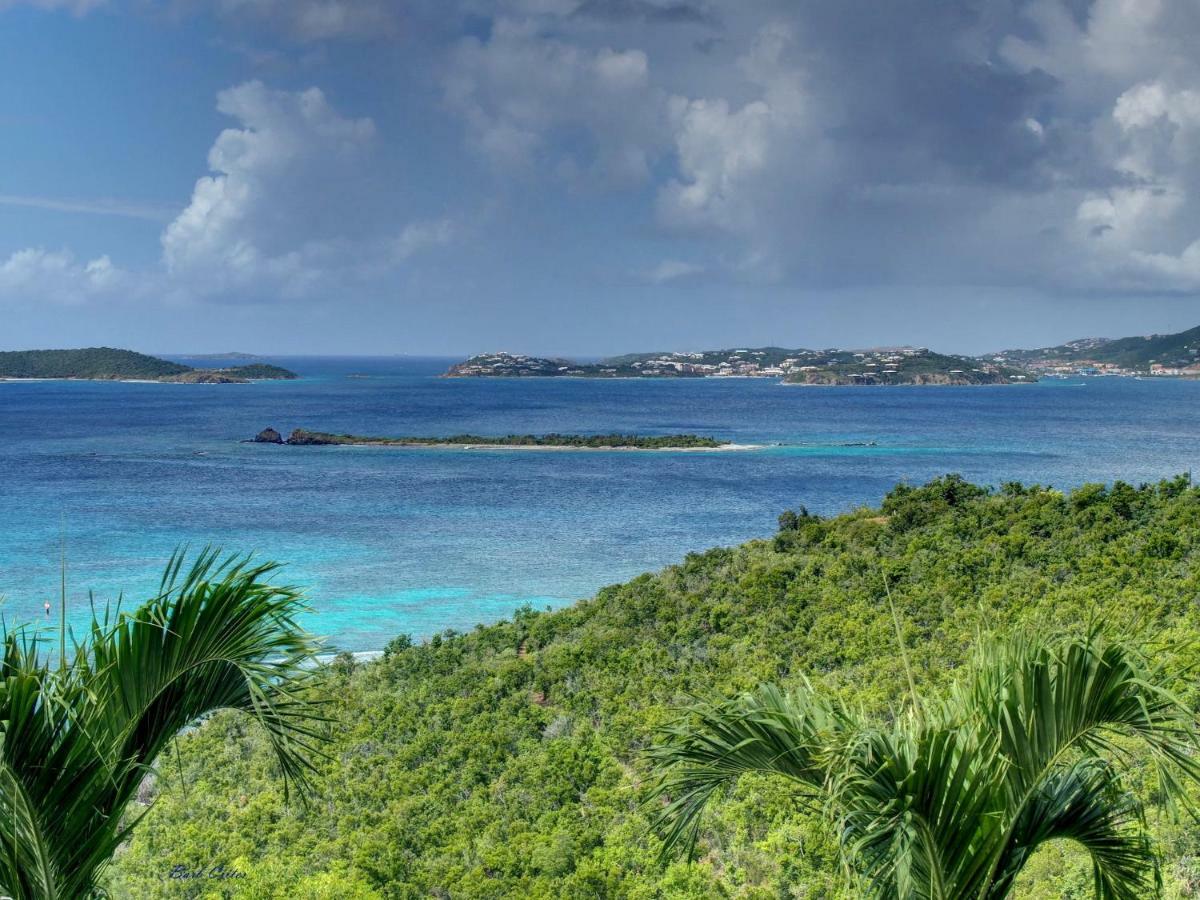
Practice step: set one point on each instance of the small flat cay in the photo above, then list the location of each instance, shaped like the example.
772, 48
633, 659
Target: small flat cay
554, 441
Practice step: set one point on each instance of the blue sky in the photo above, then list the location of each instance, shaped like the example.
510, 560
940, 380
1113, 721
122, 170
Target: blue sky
595, 176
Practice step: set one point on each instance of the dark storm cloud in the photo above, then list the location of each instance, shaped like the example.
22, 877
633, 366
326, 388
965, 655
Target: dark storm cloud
1046, 143
1051, 143
914, 88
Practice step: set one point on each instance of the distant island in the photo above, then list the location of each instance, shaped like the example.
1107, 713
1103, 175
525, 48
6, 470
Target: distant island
301, 438
880, 366
109, 364
898, 366
230, 356
1164, 355
1161, 355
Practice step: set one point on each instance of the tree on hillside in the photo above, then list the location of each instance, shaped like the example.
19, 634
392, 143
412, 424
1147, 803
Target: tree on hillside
79, 733
949, 799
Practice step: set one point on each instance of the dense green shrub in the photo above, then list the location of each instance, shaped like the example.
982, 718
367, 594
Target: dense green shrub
509, 761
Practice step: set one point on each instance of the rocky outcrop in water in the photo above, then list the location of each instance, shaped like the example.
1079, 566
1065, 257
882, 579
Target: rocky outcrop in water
301, 438
203, 376
268, 436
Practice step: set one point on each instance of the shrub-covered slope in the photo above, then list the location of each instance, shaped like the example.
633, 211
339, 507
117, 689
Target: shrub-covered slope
108, 363
507, 762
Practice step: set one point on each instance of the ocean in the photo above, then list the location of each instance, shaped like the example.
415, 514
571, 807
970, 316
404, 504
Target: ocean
392, 541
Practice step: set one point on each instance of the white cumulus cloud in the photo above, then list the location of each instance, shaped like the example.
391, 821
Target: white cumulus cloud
672, 270
719, 151
418, 236
291, 209
280, 206
315, 20
37, 275
75, 7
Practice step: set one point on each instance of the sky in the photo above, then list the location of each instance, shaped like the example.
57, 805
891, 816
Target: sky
582, 177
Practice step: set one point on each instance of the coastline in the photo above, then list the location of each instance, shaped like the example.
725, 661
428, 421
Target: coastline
775, 378
855, 384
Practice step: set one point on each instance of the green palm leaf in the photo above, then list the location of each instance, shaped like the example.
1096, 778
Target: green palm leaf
714, 744
77, 738
914, 806
951, 798
1085, 803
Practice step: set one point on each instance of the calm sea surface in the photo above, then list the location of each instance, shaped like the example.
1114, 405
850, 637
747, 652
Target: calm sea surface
415, 541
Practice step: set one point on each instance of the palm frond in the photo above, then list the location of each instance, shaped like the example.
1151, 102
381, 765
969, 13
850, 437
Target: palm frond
1047, 698
712, 745
27, 867
951, 798
1056, 704
915, 806
218, 636
77, 738
1085, 802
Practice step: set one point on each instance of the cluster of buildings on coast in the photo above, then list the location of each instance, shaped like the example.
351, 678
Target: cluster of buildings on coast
514, 364
1167, 356
744, 363
1189, 371
885, 365
1057, 368
1158, 355
774, 364
747, 363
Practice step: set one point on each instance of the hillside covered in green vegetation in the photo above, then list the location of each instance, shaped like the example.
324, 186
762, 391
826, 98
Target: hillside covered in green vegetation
109, 364
510, 761
91, 362
255, 372
1135, 353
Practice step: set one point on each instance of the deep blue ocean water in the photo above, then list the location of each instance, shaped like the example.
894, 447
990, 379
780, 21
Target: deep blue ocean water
389, 541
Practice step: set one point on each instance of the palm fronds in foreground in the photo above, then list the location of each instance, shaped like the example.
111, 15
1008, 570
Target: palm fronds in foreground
78, 735
951, 798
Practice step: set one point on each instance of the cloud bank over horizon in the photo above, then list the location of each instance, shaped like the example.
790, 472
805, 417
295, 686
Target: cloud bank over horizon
564, 151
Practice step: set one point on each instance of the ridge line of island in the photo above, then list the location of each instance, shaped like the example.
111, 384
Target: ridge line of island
111, 364
898, 365
1157, 355
552, 441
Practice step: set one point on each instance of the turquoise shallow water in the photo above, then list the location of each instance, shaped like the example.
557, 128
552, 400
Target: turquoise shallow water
390, 541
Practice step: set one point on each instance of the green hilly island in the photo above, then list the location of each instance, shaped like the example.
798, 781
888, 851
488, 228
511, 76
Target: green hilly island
1130, 354
109, 364
878, 366
1168, 355
510, 761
